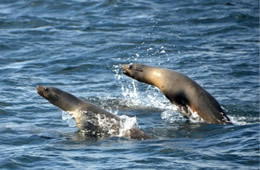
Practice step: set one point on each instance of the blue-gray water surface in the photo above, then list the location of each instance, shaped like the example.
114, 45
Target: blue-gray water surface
78, 46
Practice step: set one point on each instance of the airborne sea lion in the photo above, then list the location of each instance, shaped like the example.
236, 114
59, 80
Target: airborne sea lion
180, 90
91, 120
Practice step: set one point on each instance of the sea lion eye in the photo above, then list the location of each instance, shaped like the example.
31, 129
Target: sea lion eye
45, 89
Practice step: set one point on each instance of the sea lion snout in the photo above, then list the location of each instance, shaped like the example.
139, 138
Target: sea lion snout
42, 90
125, 68
130, 69
39, 89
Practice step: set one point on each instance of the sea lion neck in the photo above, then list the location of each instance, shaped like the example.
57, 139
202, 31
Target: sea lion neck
153, 76
68, 102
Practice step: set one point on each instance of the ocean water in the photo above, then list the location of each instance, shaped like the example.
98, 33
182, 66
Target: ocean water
78, 46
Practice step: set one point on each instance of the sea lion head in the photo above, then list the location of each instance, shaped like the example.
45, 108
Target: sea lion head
49, 93
136, 71
62, 99
143, 73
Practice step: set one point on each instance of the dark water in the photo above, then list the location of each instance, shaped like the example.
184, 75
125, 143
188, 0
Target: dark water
78, 46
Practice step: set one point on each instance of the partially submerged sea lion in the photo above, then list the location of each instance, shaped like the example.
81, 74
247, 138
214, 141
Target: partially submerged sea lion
90, 119
185, 93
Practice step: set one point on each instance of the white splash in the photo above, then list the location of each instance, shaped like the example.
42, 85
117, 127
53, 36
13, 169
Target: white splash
126, 123
68, 118
241, 120
172, 116
133, 97
150, 98
109, 126
107, 123
194, 116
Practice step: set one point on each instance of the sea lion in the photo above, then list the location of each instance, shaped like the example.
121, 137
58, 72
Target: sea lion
91, 120
182, 91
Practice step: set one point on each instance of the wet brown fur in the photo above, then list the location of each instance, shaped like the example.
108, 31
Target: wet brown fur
180, 90
85, 113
